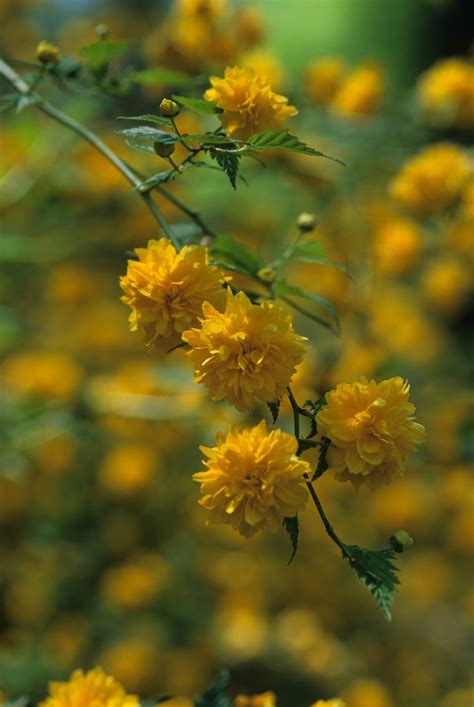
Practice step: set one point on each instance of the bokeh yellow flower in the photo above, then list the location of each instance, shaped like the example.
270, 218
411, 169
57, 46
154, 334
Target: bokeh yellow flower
129, 469
446, 93
92, 688
361, 92
397, 245
372, 429
253, 480
447, 283
432, 180
249, 351
329, 703
166, 290
368, 693
323, 78
266, 699
249, 105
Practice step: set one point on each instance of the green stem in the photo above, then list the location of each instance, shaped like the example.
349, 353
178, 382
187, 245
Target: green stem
312, 491
193, 215
45, 107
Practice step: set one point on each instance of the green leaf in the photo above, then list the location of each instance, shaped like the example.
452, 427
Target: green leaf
322, 464
292, 527
230, 250
159, 75
229, 163
312, 257
274, 408
284, 289
198, 105
283, 140
159, 119
376, 570
210, 139
309, 251
215, 695
99, 53
148, 134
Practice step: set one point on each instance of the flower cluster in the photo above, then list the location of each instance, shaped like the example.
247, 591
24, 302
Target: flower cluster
372, 429
248, 102
92, 688
166, 290
446, 93
253, 480
248, 351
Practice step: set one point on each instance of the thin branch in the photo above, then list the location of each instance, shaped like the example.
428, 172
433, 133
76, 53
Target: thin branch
45, 107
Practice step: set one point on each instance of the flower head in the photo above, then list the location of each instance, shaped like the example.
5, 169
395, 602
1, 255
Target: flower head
253, 480
248, 102
248, 351
372, 429
94, 688
323, 78
361, 92
166, 290
433, 179
329, 703
266, 699
446, 93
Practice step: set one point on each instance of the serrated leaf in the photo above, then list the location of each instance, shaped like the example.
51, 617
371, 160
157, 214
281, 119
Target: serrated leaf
198, 105
283, 140
99, 53
159, 75
229, 163
158, 119
274, 408
377, 571
284, 289
215, 695
149, 134
322, 464
292, 527
227, 248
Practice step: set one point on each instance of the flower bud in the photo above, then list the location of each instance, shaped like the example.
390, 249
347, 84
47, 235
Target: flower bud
168, 108
163, 149
47, 53
401, 541
102, 31
266, 275
306, 222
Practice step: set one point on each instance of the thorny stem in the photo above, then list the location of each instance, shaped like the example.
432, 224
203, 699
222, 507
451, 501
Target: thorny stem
312, 491
45, 107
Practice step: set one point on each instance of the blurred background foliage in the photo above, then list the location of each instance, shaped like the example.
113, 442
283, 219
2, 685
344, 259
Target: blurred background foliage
104, 555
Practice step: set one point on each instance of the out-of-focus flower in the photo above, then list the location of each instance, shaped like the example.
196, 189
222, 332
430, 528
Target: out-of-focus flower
41, 373
266, 699
253, 480
135, 583
250, 350
432, 180
265, 65
248, 102
329, 703
128, 469
397, 245
372, 429
446, 93
133, 661
360, 94
66, 638
166, 290
323, 78
211, 10
367, 693
446, 284
92, 688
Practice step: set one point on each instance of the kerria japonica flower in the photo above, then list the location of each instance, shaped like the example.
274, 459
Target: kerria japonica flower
248, 103
266, 699
253, 480
92, 689
372, 429
166, 290
248, 351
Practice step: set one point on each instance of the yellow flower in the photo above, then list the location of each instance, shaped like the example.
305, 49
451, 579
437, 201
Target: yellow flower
432, 180
248, 102
361, 92
253, 480
266, 66
166, 290
372, 429
446, 93
266, 699
329, 703
248, 351
323, 79
397, 245
91, 688
368, 693
447, 283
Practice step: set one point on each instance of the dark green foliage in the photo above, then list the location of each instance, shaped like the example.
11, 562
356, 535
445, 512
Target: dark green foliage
229, 163
215, 695
376, 570
292, 527
274, 408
